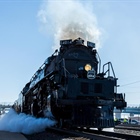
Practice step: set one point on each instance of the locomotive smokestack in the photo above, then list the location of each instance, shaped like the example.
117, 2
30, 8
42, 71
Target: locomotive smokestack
71, 20
79, 41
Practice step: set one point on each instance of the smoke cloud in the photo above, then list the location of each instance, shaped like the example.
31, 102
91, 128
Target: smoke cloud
69, 20
23, 123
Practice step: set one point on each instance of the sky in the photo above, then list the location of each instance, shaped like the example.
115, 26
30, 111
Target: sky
30, 30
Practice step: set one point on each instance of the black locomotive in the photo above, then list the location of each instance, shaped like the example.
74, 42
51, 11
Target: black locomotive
71, 88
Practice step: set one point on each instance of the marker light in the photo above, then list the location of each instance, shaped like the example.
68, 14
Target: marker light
88, 67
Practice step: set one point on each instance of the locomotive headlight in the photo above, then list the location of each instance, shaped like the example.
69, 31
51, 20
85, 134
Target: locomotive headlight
88, 67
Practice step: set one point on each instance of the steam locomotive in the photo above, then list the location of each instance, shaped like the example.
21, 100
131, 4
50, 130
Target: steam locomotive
71, 88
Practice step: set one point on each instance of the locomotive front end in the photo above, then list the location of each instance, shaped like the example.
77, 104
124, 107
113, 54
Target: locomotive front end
86, 96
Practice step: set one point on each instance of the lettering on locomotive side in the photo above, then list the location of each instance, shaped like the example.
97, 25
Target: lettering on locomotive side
75, 55
73, 76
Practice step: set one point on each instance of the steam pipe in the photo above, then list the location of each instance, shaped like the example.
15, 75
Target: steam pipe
99, 62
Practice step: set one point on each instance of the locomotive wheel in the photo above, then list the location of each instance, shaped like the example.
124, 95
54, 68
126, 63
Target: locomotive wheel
87, 128
64, 124
61, 123
100, 129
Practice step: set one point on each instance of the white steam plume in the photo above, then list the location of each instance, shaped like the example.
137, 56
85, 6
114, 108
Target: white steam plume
23, 123
69, 19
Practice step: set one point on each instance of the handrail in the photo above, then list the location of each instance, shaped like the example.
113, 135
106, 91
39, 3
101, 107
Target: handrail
109, 64
64, 67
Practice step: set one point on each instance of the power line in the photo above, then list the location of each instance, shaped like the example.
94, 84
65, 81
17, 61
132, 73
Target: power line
130, 84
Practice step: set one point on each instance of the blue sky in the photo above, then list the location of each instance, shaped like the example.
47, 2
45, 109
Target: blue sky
25, 43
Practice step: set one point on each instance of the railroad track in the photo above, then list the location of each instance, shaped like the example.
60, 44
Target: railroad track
128, 127
94, 134
131, 125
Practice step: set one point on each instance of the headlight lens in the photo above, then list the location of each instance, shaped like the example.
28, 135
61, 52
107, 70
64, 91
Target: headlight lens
88, 67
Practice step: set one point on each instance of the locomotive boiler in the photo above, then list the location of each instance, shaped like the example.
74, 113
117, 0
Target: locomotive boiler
72, 88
